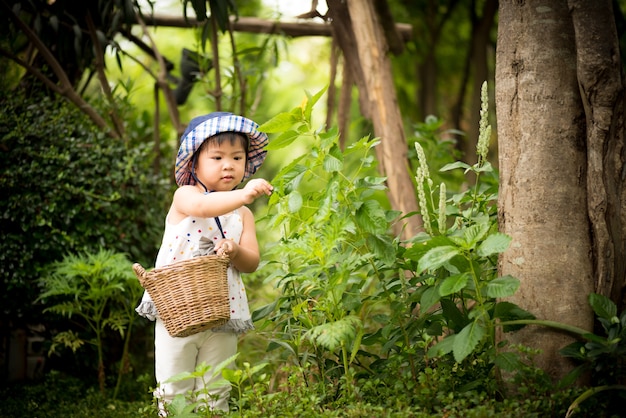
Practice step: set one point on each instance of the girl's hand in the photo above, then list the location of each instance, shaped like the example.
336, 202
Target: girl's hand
227, 247
255, 188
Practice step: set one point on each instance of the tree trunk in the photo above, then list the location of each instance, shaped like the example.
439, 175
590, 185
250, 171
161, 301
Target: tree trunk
602, 89
371, 67
543, 167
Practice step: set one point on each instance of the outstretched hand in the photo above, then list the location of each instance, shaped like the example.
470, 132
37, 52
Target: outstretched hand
256, 188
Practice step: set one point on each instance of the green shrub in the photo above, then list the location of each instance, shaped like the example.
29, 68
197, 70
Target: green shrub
68, 188
97, 292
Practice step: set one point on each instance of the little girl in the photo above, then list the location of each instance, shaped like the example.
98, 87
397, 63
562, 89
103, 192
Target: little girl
217, 152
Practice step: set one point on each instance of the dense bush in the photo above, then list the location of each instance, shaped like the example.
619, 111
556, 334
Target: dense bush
66, 187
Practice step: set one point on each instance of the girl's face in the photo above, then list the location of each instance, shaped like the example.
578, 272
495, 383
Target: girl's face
221, 167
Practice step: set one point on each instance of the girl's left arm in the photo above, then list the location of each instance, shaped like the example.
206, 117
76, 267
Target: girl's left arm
245, 255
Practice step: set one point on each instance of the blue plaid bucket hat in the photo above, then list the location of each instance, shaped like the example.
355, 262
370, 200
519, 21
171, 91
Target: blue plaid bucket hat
203, 127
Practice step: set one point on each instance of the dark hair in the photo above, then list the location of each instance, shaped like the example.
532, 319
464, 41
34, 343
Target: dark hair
220, 138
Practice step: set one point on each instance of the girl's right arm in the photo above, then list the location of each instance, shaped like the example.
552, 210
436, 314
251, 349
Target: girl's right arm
191, 201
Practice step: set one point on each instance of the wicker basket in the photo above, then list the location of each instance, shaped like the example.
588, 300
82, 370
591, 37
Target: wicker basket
191, 296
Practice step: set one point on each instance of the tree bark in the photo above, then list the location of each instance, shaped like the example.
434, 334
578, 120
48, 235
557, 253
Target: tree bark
543, 173
382, 104
601, 84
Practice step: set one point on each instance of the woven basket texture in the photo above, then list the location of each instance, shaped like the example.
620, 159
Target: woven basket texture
190, 296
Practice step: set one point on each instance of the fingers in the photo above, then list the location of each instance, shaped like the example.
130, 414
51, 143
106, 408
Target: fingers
259, 187
225, 247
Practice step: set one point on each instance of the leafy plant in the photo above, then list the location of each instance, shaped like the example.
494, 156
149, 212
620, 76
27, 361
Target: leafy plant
335, 247
454, 260
602, 355
250, 396
98, 292
197, 404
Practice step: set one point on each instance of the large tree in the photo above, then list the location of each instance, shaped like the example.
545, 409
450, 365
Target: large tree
560, 108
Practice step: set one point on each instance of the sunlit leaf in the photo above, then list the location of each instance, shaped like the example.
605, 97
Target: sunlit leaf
295, 201
332, 163
279, 123
475, 233
283, 140
453, 166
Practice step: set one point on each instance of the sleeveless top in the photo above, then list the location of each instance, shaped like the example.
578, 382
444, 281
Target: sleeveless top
185, 240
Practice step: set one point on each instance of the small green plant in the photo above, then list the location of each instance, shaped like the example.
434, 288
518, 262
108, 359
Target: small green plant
454, 260
198, 403
602, 355
98, 292
250, 396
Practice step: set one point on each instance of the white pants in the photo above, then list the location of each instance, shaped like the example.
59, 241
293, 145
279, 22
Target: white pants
175, 355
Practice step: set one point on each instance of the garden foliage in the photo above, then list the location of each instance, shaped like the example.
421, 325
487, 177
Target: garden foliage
366, 324
69, 188
357, 305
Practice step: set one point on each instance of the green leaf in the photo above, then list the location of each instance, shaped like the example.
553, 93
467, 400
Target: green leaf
570, 378
452, 166
283, 140
436, 257
281, 122
467, 340
382, 246
443, 347
332, 163
494, 244
475, 233
453, 284
332, 334
484, 168
429, 298
295, 201
455, 319
264, 311
312, 100
181, 409
370, 216
508, 361
602, 306
502, 287
574, 350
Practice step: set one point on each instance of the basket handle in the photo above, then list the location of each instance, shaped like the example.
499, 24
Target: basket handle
140, 272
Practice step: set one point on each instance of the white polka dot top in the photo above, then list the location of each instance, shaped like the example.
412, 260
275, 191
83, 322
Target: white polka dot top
181, 241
